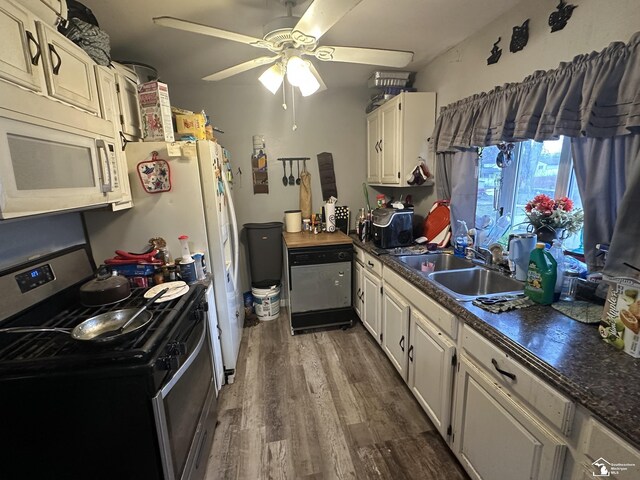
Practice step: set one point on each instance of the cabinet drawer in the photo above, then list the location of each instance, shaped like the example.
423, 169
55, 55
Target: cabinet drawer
359, 254
601, 443
372, 264
554, 407
444, 320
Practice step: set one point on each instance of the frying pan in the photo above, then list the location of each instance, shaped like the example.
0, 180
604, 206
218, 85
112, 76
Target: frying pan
94, 329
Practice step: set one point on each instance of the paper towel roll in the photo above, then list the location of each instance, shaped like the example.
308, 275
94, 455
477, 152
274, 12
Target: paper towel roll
330, 216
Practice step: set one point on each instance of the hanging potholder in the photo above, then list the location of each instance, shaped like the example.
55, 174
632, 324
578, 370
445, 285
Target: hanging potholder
155, 174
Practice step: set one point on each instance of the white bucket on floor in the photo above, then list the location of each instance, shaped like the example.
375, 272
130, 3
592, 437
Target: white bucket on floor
266, 302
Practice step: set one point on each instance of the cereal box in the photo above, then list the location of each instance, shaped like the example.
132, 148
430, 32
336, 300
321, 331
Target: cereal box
621, 324
155, 110
193, 124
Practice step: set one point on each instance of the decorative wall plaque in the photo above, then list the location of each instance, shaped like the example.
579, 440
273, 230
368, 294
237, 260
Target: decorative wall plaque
558, 20
496, 51
520, 37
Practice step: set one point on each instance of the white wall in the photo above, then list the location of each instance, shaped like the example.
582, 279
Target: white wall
463, 70
330, 121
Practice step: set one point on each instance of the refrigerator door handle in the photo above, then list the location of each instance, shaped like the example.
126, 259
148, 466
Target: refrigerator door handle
234, 228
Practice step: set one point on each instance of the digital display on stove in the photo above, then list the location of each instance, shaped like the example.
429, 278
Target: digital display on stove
34, 278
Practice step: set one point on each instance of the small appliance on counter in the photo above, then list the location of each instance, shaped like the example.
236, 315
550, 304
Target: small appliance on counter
392, 227
520, 247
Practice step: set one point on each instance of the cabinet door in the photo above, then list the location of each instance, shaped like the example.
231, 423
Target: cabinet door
371, 285
20, 55
129, 107
390, 160
357, 288
431, 368
494, 437
373, 148
69, 70
109, 109
395, 329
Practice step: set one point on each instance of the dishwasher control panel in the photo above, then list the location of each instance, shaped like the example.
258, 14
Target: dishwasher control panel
320, 255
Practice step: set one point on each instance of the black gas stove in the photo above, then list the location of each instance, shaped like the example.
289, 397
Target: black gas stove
139, 407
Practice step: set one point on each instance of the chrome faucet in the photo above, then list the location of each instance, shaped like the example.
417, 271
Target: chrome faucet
473, 253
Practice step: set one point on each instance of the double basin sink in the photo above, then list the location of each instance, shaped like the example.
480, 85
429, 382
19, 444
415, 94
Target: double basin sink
461, 278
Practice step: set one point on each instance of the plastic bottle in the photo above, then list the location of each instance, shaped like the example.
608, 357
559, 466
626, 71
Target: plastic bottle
541, 276
460, 242
557, 253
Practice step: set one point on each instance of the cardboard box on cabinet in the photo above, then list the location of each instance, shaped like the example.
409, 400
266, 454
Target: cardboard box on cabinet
155, 109
192, 124
621, 324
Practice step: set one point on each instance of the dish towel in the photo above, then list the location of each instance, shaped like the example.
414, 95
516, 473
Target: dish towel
305, 194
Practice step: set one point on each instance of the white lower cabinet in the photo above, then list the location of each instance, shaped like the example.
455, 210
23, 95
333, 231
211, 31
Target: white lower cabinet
431, 367
371, 295
356, 291
395, 329
494, 437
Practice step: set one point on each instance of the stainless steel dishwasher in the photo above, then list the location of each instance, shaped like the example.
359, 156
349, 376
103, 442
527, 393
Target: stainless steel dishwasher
320, 286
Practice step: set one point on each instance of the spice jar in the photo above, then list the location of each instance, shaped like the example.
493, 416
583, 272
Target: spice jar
569, 286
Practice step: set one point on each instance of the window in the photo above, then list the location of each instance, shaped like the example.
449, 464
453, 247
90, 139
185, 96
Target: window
536, 167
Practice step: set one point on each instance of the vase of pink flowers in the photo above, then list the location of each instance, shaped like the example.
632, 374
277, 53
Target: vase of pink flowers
550, 219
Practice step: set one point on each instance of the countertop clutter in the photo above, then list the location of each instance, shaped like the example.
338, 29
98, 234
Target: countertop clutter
568, 355
307, 239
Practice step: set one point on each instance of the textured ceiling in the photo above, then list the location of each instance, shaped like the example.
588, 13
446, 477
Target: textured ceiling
425, 27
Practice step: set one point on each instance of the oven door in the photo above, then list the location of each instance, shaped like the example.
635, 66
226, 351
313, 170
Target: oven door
185, 412
45, 170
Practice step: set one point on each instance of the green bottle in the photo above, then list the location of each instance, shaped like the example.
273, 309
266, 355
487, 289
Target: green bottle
541, 276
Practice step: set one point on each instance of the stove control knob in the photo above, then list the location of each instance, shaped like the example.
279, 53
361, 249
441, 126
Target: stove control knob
342, 255
168, 362
176, 348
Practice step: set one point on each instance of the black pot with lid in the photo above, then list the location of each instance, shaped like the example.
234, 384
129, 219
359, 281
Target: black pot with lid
107, 288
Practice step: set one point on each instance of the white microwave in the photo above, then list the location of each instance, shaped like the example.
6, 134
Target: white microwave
45, 169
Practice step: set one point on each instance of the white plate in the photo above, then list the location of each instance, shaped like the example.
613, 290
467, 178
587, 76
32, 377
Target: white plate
176, 289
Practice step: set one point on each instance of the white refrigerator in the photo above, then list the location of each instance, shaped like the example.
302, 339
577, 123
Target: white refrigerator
199, 204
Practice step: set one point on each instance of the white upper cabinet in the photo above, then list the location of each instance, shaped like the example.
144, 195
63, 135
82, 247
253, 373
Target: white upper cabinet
68, 69
129, 107
396, 137
373, 148
21, 54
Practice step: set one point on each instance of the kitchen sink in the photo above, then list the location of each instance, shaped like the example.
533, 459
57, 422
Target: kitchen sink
467, 284
443, 261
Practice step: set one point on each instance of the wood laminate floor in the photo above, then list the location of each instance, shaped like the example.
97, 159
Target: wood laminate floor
322, 405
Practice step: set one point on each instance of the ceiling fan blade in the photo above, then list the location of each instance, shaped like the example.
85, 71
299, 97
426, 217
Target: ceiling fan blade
240, 68
172, 22
369, 56
318, 77
320, 17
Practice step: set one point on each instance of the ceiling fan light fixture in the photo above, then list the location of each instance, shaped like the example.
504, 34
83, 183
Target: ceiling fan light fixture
309, 86
272, 78
297, 71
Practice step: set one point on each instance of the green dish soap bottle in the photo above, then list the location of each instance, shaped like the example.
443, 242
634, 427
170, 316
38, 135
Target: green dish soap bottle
541, 276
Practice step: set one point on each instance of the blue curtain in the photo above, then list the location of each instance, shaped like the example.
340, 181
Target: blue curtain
608, 177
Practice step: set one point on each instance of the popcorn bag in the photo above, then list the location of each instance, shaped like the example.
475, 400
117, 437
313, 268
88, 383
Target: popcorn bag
621, 317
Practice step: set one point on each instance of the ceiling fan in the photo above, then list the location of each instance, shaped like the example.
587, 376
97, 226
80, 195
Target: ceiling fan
291, 39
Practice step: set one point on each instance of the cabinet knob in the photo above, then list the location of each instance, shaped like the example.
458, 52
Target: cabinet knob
510, 375
31, 39
56, 68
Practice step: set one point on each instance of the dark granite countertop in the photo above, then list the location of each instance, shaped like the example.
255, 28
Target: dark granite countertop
567, 354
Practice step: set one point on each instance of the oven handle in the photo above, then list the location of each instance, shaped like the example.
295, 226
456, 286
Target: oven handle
164, 391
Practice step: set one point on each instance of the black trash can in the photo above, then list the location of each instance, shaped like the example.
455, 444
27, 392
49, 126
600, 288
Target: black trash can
265, 253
